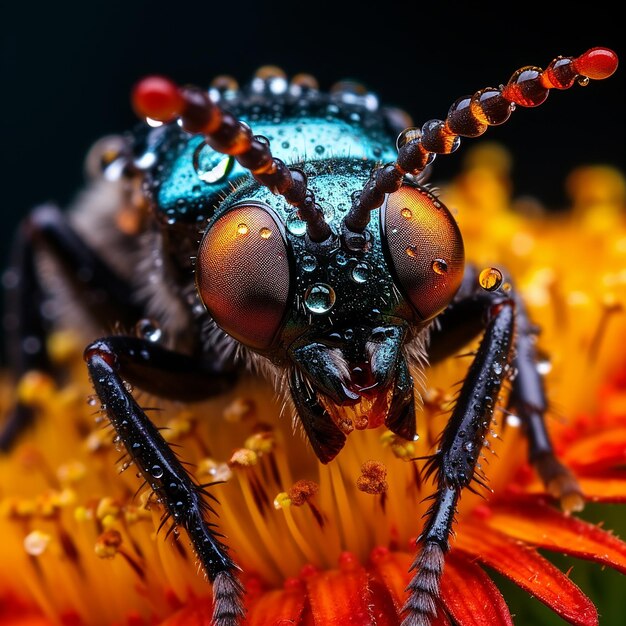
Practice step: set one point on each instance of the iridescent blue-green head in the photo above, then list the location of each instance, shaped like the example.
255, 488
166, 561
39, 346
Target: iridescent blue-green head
295, 264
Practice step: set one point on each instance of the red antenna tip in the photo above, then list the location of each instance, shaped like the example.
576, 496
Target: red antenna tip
597, 63
158, 98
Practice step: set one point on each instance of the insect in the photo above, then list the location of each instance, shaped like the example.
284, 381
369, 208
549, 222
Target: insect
283, 229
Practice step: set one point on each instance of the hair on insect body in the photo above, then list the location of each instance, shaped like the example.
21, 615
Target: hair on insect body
281, 229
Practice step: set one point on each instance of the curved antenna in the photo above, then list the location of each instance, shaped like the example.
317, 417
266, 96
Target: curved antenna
470, 116
160, 99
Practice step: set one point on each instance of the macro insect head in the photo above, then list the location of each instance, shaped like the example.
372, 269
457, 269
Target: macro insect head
280, 229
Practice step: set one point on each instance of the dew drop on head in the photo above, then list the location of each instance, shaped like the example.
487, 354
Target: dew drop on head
440, 266
295, 225
360, 272
319, 298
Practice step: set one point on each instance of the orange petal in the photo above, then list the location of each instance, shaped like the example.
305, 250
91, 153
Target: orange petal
606, 487
605, 449
527, 569
470, 595
340, 597
532, 521
278, 607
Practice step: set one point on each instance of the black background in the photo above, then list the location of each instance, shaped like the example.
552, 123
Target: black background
68, 68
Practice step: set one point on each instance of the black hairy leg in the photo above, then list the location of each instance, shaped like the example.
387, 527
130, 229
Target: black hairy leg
116, 360
101, 292
463, 320
455, 462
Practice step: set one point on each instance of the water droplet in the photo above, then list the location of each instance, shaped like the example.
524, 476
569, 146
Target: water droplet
156, 471
309, 263
265, 233
149, 330
408, 134
341, 258
92, 400
295, 225
262, 139
440, 266
412, 251
497, 368
328, 210
211, 166
285, 145
406, 213
36, 542
544, 366
319, 298
320, 149
468, 446
242, 229
360, 272
490, 278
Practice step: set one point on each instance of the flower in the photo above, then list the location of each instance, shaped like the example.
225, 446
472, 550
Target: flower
332, 544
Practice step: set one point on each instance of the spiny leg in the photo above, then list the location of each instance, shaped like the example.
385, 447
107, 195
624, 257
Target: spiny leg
100, 291
528, 401
455, 462
113, 361
462, 321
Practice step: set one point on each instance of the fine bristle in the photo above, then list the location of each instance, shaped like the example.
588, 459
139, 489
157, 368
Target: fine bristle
228, 607
421, 606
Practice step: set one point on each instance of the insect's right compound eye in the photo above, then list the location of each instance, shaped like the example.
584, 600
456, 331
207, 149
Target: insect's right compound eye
242, 274
424, 248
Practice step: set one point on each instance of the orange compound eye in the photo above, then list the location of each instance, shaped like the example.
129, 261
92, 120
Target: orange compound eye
424, 248
242, 274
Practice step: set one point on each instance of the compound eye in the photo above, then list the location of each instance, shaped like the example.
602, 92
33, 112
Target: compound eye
242, 274
425, 248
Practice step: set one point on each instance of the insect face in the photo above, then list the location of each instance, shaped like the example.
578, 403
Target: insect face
338, 314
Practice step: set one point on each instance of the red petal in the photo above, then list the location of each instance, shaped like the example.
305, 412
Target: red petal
340, 597
534, 522
25, 620
197, 613
471, 596
529, 570
278, 607
606, 449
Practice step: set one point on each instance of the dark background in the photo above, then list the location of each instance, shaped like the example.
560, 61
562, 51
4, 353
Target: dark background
67, 70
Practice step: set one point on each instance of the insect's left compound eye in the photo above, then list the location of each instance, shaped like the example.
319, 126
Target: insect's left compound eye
424, 247
242, 274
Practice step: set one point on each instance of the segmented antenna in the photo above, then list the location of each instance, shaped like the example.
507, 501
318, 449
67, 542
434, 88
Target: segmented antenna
158, 98
470, 116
